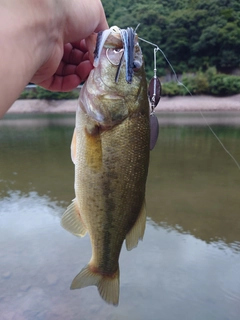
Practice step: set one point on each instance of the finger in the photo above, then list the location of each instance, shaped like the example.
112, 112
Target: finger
59, 83
91, 45
65, 69
81, 45
70, 81
72, 54
68, 68
83, 69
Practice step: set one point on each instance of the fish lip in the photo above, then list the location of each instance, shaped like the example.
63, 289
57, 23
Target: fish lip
117, 38
109, 38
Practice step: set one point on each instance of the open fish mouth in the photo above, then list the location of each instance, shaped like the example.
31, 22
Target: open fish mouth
122, 40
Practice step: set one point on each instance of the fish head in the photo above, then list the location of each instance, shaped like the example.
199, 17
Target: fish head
120, 47
117, 84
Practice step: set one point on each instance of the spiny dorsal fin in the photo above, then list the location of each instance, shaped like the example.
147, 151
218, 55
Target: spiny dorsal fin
137, 231
72, 221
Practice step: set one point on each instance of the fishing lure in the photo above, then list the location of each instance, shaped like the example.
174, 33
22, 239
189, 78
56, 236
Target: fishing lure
154, 95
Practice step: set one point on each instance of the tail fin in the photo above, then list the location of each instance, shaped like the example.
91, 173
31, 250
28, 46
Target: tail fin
108, 286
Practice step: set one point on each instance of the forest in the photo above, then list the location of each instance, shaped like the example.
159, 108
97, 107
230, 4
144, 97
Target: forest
194, 34
200, 38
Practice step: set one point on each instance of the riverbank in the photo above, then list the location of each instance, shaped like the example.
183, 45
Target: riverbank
166, 104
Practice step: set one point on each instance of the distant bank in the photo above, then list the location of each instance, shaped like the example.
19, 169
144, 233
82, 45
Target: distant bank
178, 104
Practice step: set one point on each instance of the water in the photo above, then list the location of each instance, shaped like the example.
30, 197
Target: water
187, 267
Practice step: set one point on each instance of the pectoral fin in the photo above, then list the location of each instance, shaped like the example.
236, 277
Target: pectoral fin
72, 221
137, 231
73, 146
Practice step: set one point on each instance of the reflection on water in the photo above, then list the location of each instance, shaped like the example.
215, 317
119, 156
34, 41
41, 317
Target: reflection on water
188, 265
36, 156
194, 186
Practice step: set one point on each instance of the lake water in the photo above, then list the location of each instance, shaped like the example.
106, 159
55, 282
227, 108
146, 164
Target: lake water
188, 265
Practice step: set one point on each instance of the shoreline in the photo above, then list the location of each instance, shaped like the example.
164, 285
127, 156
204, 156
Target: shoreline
166, 104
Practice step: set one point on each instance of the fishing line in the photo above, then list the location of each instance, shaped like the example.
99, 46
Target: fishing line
181, 84
223, 146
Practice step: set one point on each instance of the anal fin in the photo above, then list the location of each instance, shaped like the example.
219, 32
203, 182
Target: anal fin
137, 231
72, 221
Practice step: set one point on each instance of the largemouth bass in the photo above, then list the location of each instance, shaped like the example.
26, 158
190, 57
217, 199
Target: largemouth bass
110, 150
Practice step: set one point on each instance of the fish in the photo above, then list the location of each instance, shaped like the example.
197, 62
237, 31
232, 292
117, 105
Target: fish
110, 150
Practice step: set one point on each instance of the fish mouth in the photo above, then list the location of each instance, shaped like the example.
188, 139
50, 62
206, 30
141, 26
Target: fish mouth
122, 40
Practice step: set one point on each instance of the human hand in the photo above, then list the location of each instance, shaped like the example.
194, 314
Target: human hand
46, 42
73, 69
71, 62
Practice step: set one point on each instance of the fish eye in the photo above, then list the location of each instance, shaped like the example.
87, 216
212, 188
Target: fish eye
114, 56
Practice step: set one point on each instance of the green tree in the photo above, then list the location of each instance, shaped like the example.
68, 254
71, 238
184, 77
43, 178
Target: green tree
194, 34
